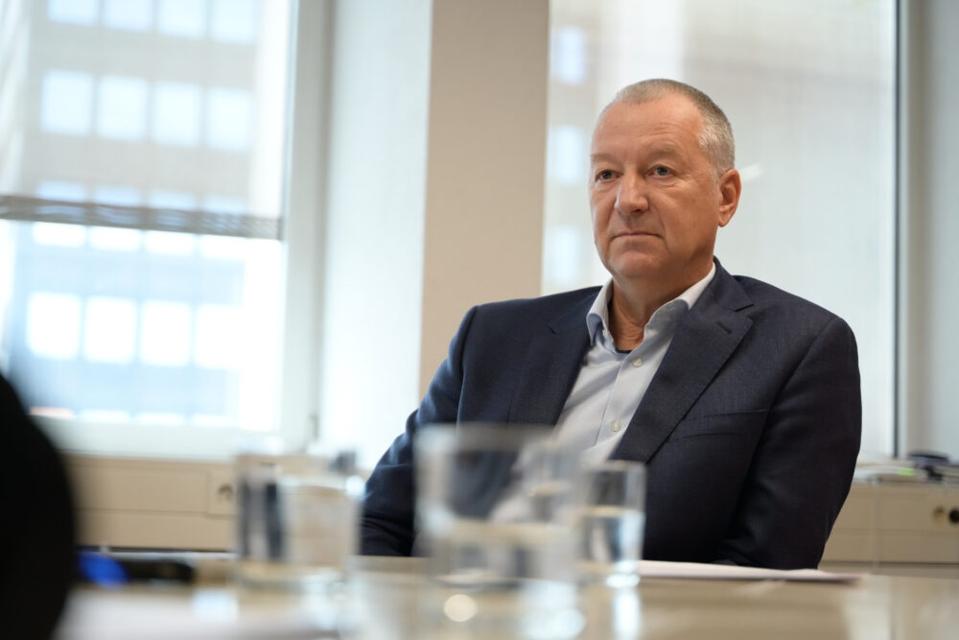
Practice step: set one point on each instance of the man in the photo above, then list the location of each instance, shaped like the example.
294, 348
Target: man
742, 400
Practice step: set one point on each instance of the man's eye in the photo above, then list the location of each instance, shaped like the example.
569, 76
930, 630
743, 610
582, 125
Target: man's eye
662, 171
604, 175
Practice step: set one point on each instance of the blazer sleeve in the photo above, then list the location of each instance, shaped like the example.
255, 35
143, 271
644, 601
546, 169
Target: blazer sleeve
387, 525
804, 462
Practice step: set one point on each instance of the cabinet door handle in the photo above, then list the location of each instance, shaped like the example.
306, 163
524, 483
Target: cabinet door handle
225, 492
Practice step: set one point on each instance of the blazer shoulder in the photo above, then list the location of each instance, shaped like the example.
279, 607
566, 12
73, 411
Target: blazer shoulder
771, 303
539, 309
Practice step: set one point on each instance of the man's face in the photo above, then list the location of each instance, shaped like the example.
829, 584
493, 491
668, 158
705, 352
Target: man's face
655, 195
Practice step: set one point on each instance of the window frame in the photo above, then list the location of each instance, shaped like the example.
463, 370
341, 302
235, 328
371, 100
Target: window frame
302, 198
97, 459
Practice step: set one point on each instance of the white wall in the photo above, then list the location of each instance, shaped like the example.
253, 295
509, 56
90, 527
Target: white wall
929, 348
374, 215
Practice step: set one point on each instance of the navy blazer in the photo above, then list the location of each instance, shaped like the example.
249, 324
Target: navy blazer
749, 429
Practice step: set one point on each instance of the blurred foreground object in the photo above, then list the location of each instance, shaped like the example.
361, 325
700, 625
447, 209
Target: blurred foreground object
297, 517
37, 530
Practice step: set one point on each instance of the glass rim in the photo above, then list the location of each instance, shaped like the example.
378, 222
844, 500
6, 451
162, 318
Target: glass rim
482, 436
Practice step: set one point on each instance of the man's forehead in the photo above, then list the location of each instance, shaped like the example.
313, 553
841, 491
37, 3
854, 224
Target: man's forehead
654, 146
660, 114
664, 125
659, 141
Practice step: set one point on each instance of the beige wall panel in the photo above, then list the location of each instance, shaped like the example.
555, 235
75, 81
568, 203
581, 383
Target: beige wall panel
486, 162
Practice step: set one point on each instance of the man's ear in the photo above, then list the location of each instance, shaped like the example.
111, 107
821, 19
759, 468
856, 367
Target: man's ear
730, 188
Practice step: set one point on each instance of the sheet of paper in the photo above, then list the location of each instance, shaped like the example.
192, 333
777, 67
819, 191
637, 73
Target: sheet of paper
697, 571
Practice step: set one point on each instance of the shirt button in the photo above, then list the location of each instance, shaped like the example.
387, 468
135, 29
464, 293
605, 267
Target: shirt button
637, 362
616, 426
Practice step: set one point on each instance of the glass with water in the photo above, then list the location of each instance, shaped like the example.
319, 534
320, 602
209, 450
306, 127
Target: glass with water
611, 522
296, 519
496, 514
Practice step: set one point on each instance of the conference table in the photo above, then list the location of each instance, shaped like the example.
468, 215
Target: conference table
384, 599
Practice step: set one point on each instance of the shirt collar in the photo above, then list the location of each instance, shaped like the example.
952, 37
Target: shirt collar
597, 318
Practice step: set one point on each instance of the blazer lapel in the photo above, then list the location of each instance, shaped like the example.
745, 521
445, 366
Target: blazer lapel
705, 338
553, 361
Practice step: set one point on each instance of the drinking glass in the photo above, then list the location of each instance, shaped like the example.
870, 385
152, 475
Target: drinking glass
611, 521
296, 518
495, 510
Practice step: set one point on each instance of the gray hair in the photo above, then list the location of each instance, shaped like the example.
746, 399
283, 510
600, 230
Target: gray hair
716, 138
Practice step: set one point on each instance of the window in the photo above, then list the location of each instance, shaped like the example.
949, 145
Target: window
142, 280
809, 88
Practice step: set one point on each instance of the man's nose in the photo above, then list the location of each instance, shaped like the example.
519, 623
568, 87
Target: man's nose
631, 196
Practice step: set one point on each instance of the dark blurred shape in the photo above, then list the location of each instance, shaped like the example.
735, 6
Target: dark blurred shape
37, 529
928, 457
936, 464
117, 570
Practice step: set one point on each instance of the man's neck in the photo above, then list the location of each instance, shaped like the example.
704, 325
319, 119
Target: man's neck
633, 303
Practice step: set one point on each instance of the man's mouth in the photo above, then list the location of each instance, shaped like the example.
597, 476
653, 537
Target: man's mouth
634, 234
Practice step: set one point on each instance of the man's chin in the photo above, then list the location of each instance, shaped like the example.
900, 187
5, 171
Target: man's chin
635, 268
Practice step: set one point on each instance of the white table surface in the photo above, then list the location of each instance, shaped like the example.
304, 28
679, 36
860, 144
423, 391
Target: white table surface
384, 596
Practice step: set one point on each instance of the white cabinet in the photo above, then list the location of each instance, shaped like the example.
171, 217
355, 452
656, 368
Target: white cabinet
895, 526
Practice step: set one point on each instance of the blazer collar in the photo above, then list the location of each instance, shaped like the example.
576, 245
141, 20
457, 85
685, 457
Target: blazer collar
553, 361
705, 338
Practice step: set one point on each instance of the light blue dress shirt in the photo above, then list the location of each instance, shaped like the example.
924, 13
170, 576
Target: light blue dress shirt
611, 384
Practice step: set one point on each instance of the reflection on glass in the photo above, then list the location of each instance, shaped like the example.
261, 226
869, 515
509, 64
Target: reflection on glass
567, 155
166, 337
119, 195
132, 15
169, 243
67, 102
59, 235
121, 108
627, 614
567, 251
224, 204
229, 115
176, 113
115, 239
218, 331
184, 18
223, 247
233, 20
61, 190
165, 199
109, 330
73, 11
53, 325
568, 55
